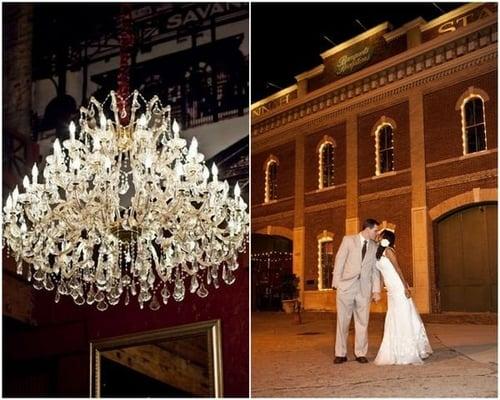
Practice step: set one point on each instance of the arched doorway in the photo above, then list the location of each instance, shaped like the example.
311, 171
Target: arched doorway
272, 258
467, 259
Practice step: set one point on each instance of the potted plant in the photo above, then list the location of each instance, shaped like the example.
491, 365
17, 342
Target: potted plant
290, 293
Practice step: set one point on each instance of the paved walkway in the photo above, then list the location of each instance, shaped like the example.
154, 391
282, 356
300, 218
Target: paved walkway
290, 360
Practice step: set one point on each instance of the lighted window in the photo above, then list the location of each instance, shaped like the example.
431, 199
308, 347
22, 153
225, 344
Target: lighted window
326, 165
271, 186
384, 149
326, 259
474, 127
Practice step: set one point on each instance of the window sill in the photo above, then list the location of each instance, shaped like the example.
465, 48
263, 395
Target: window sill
477, 154
326, 189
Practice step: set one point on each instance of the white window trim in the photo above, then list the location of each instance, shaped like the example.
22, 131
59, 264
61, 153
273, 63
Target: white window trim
323, 238
464, 122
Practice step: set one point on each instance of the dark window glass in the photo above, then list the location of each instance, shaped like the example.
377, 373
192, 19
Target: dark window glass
386, 149
327, 260
327, 154
273, 181
474, 125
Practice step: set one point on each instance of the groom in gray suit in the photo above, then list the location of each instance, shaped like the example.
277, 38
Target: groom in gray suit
357, 281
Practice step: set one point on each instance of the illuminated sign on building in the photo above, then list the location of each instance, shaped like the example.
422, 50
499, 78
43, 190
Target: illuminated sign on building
347, 63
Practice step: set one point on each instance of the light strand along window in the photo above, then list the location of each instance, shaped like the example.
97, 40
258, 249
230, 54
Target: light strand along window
326, 165
326, 263
385, 149
271, 184
474, 125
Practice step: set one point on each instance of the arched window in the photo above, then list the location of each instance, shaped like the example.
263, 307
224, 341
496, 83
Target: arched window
384, 147
473, 125
326, 260
271, 184
326, 154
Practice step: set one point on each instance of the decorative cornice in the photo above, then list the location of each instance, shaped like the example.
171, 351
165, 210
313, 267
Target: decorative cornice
426, 59
274, 96
356, 39
309, 74
389, 92
450, 15
458, 180
389, 36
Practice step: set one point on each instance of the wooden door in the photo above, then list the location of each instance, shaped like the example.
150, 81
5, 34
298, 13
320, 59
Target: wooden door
467, 260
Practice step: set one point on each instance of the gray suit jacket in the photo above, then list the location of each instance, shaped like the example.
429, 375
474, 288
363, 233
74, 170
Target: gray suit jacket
349, 267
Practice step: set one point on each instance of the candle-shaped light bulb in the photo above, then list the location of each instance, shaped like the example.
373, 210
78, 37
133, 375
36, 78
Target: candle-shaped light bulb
193, 148
142, 121
103, 122
107, 165
72, 130
34, 172
215, 171
24, 228
15, 195
76, 164
237, 190
8, 204
57, 148
206, 173
176, 128
26, 182
178, 169
148, 161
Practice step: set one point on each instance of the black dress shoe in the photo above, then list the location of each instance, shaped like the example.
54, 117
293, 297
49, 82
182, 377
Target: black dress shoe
339, 360
362, 360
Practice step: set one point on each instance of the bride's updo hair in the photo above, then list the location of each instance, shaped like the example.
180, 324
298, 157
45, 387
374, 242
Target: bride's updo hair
390, 236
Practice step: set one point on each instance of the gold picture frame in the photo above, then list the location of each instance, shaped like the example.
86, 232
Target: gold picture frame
212, 329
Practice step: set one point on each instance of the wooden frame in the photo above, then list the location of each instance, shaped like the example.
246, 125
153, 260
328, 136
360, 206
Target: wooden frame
212, 328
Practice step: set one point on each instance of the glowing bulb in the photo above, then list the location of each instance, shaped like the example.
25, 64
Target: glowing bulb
26, 182
206, 173
142, 121
215, 171
76, 164
24, 228
8, 204
237, 190
34, 172
15, 195
148, 161
107, 164
176, 128
193, 148
103, 122
72, 130
178, 169
57, 148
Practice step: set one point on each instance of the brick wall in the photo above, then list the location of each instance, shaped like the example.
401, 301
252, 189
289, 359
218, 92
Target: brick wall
366, 142
443, 124
311, 172
396, 210
17, 68
332, 220
285, 176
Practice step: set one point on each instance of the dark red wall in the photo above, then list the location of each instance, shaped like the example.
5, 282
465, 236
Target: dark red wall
60, 344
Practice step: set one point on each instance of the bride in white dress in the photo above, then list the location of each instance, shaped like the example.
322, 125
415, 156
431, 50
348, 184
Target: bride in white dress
405, 340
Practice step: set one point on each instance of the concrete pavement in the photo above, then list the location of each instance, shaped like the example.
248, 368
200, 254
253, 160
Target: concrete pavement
290, 360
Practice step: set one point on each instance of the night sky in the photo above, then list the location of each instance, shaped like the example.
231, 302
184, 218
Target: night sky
287, 38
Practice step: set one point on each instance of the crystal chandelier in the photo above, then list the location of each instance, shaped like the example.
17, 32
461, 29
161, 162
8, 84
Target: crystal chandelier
125, 209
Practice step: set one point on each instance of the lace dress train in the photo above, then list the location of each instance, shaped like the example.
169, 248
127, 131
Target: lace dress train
405, 339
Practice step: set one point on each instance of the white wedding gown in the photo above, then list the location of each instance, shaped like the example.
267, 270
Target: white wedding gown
405, 340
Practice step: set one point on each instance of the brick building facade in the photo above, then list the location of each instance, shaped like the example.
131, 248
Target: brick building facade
409, 116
